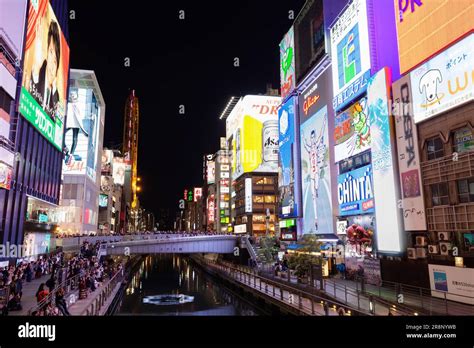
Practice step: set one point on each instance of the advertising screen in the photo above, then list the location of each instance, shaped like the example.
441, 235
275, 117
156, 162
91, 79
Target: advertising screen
211, 172
386, 191
43, 95
349, 53
106, 184
426, 27
453, 283
287, 63
286, 169
310, 43
354, 192
316, 176
252, 130
197, 193
106, 162
119, 167
445, 81
103, 200
352, 131
82, 133
5, 176
414, 216
211, 209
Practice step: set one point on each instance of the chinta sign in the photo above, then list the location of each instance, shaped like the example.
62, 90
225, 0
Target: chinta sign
355, 193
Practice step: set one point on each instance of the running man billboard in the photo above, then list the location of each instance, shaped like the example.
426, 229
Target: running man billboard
315, 110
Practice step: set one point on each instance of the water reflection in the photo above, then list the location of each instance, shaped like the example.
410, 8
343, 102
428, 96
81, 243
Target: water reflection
175, 275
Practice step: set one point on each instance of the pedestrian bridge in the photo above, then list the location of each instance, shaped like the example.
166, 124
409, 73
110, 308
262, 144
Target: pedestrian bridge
156, 244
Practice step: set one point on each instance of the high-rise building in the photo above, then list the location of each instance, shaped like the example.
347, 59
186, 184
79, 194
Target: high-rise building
80, 198
33, 113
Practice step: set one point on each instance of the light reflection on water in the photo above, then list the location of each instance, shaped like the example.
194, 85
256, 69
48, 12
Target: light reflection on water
174, 274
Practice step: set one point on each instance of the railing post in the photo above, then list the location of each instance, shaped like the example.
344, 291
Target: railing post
345, 292
421, 297
446, 304
300, 301
281, 293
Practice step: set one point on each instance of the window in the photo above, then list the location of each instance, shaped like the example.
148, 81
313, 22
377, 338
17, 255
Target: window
466, 190
439, 194
5, 101
435, 148
269, 199
264, 181
258, 199
258, 218
463, 140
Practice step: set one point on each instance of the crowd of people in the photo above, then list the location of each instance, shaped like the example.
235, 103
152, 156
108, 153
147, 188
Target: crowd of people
12, 278
84, 272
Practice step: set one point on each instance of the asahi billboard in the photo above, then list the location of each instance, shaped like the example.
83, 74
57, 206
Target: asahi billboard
414, 216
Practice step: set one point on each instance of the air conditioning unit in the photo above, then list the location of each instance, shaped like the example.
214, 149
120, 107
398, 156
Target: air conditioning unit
421, 253
421, 241
443, 236
433, 249
444, 248
411, 253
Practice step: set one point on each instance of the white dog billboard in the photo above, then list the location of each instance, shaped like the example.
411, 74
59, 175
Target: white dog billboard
445, 81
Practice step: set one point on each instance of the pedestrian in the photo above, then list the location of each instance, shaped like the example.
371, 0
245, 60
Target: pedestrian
326, 308
61, 302
51, 283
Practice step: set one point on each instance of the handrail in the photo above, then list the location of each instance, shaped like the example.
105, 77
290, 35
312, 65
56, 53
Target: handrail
98, 302
67, 284
290, 289
253, 254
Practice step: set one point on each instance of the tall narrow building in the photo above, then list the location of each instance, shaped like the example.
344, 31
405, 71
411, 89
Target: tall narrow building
130, 152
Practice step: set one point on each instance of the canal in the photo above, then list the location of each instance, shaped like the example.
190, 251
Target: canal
160, 276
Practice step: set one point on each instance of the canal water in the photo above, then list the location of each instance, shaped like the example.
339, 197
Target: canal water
157, 286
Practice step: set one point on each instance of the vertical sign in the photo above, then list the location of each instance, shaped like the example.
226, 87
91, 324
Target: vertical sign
408, 157
386, 191
287, 63
350, 53
197, 193
248, 195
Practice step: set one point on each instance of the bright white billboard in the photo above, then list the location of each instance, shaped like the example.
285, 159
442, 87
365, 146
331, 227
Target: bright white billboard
248, 195
386, 191
252, 133
350, 53
445, 81
413, 205
82, 133
456, 283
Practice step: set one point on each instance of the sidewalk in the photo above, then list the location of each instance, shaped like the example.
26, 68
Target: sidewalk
428, 304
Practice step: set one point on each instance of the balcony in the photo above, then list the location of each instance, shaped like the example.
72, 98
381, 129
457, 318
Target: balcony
451, 218
448, 169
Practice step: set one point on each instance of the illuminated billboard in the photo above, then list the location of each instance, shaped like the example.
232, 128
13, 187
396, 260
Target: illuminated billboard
211, 172
5, 176
287, 161
287, 63
197, 193
43, 95
81, 138
354, 192
106, 184
426, 27
444, 82
106, 162
103, 200
316, 175
386, 191
211, 209
119, 167
413, 205
350, 54
352, 131
252, 132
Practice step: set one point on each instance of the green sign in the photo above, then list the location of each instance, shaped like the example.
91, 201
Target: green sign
34, 113
42, 218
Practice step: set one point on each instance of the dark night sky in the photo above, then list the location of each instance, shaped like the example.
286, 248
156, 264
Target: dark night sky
174, 62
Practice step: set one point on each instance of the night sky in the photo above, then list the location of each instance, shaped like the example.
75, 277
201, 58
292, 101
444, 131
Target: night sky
177, 62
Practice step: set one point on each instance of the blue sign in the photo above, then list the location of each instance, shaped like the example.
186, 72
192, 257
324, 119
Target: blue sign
355, 192
286, 168
354, 90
